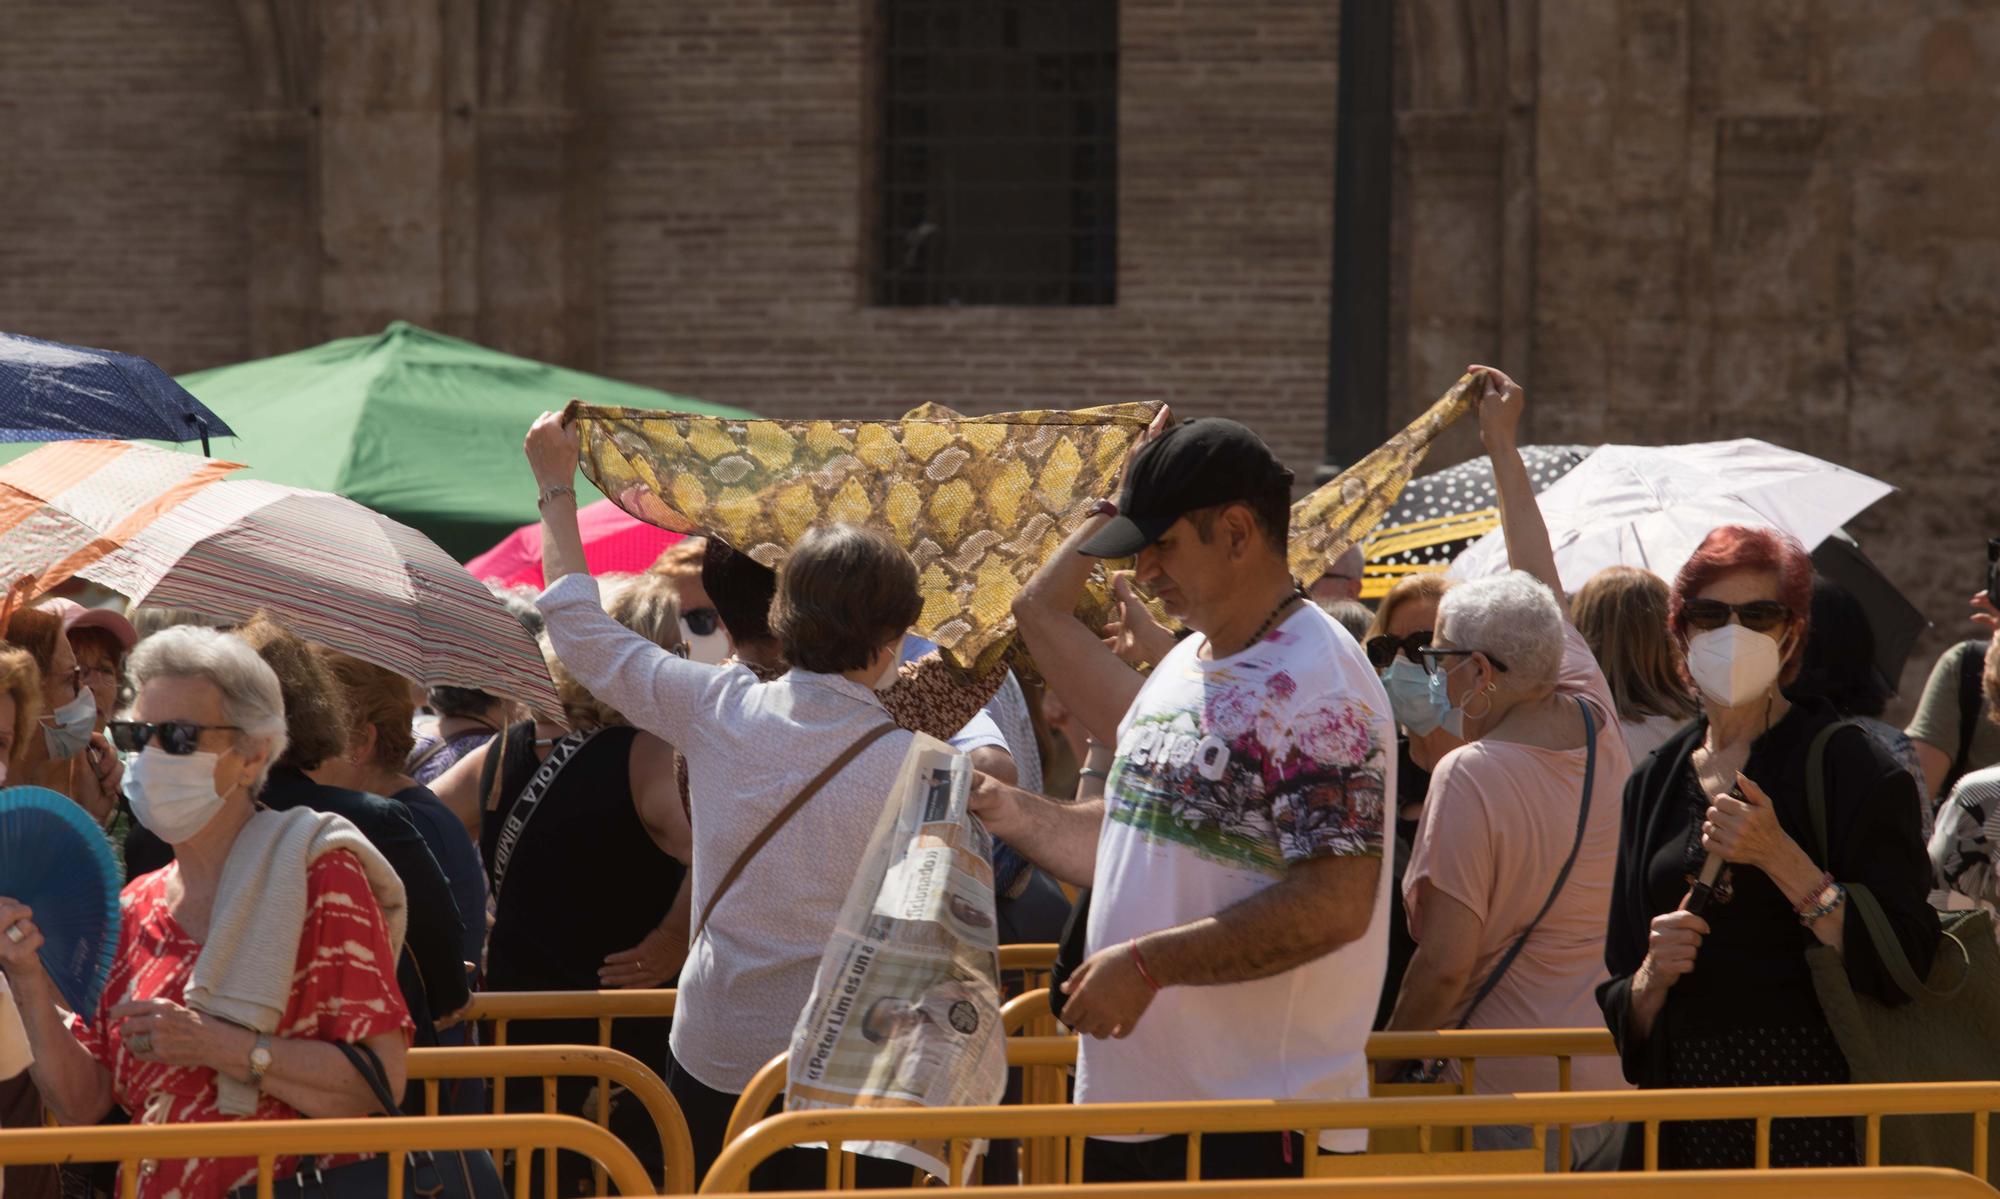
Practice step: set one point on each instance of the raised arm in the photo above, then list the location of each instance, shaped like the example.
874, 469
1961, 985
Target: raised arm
659, 692
1501, 402
1092, 682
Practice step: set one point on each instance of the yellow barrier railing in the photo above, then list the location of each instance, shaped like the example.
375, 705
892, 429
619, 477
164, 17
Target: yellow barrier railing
1900, 1182
1074, 1123
499, 1008
267, 1140
1045, 1058
1034, 960
552, 1062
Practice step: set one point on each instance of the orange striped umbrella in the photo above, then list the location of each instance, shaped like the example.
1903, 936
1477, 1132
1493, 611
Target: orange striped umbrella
335, 572
68, 504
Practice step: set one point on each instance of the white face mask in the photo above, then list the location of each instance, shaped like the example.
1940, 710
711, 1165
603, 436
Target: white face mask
1733, 665
173, 796
891, 672
705, 647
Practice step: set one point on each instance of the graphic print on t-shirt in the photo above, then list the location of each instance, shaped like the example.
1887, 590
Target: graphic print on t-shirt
1250, 775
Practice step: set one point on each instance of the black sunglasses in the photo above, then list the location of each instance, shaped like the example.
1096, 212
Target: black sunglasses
176, 737
1431, 654
1759, 616
702, 621
1382, 650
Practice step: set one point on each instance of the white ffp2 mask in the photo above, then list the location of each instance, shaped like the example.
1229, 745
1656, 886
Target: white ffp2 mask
173, 795
1733, 665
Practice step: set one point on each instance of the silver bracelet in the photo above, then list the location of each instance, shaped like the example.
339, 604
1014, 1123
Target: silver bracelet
1091, 772
549, 493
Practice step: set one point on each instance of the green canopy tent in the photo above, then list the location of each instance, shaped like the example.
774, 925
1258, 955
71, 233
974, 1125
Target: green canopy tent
421, 427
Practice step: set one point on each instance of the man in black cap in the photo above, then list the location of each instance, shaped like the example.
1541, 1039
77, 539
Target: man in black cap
1238, 923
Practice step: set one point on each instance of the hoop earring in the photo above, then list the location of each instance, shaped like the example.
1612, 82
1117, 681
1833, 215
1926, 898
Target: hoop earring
1487, 690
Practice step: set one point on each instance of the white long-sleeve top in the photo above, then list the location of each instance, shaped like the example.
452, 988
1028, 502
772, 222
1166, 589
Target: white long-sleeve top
750, 748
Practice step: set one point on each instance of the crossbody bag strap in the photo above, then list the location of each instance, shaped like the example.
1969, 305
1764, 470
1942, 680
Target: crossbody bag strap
531, 798
1880, 932
1562, 876
779, 821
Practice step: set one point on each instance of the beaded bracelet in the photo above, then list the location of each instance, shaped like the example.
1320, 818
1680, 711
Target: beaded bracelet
1823, 901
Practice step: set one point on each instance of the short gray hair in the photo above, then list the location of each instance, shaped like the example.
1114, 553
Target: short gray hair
1513, 618
251, 697
1351, 615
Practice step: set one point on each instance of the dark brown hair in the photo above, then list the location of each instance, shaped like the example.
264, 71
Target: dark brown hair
315, 716
844, 592
377, 698
37, 631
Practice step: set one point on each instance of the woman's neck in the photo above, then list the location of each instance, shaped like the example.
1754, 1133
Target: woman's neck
380, 781
203, 855
1745, 722
1538, 720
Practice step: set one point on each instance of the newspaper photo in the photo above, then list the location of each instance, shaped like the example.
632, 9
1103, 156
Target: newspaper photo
905, 1010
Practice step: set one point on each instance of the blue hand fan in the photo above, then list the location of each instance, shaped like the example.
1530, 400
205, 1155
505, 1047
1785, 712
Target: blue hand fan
55, 859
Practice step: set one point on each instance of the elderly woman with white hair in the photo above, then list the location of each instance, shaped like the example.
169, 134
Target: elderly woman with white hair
1512, 868
246, 965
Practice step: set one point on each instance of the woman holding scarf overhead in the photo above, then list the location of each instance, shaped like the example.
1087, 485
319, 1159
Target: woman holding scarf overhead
1726, 998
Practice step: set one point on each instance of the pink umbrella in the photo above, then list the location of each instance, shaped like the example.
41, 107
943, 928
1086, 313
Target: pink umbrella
613, 543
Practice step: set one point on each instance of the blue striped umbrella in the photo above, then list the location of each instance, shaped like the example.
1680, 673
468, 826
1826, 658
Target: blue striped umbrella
337, 573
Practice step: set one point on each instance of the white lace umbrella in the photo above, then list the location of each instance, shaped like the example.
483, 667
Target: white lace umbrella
1651, 506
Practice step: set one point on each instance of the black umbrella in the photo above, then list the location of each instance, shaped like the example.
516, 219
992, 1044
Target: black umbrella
1895, 621
55, 392
1440, 514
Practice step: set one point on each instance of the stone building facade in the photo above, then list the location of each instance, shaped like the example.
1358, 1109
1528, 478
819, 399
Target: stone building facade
1673, 219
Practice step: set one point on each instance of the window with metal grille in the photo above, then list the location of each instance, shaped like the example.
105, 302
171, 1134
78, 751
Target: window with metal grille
998, 172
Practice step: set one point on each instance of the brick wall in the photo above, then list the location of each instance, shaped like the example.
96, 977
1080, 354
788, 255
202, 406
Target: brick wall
734, 239
1677, 219
120, 204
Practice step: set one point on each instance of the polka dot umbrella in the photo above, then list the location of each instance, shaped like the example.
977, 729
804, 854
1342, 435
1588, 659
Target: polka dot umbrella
1441, 514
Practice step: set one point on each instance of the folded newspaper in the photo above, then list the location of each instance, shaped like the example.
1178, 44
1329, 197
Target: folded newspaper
905, 1011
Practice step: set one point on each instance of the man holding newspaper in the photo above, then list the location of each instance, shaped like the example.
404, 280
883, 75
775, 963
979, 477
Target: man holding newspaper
1239, 915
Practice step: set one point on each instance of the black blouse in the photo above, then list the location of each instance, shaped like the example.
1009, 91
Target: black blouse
1751, 970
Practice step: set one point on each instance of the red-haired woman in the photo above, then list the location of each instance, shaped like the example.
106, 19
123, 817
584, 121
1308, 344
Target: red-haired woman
1726, 999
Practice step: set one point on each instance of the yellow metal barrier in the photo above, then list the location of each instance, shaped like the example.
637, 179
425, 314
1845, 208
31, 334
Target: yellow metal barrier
1034, 960
1538, 1113
1047, 1062
267, 1140
551, 1062
1903, 1183
499, 1008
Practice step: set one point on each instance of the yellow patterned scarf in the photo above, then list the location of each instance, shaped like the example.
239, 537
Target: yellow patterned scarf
979, 502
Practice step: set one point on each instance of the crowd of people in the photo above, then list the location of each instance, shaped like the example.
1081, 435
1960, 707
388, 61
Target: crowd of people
1288, 822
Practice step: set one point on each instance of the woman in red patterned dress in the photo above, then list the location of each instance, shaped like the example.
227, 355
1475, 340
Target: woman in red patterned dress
210, 720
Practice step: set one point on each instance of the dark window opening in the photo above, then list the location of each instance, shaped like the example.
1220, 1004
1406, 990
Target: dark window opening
998, 162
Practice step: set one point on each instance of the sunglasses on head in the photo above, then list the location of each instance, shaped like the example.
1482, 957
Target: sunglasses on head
1759, 616
1432, 653
176, 737
702, 621
1382, 650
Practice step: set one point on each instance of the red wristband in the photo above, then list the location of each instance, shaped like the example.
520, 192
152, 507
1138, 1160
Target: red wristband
1140, 962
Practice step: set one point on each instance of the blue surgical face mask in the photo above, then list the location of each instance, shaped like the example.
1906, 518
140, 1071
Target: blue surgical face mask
74, 722
1410, 697
1451, 717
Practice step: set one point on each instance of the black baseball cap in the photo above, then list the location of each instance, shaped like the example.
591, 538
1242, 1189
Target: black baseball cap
1193, 465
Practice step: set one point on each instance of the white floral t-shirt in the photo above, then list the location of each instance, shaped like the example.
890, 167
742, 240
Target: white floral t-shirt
1227, 772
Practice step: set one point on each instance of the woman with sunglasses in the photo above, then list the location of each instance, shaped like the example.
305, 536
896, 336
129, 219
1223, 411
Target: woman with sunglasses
1513, 859
1724, 997
209, 720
